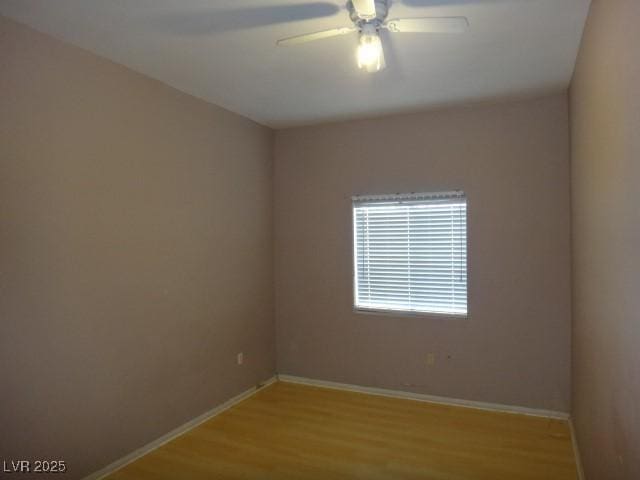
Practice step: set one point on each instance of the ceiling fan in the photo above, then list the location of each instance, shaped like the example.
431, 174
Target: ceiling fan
368, 17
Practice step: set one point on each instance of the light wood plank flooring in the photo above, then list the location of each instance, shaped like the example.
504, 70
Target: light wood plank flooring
290, 431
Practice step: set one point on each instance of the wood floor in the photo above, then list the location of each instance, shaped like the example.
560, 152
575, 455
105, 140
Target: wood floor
290, 431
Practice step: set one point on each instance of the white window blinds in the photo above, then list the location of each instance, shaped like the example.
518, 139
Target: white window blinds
410, 253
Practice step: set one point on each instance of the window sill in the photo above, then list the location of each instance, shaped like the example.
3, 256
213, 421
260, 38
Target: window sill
409, 313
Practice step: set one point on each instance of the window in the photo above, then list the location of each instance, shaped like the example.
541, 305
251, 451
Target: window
410, 253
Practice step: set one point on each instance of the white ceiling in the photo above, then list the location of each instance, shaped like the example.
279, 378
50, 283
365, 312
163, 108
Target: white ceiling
224, 51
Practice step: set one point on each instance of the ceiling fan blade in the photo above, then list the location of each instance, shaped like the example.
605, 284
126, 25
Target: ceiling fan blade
383, 63
451, 3
390, 52
428, 25
310, 37
207, 21
366, 9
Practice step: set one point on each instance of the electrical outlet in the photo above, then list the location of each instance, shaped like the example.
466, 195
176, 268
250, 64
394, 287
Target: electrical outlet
431, 359
240, 358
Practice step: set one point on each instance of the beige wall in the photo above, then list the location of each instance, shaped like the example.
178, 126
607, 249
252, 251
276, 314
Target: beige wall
135, 255
512, 160
605, 114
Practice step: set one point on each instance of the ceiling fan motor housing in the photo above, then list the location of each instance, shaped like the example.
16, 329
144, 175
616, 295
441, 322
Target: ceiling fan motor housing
382, 10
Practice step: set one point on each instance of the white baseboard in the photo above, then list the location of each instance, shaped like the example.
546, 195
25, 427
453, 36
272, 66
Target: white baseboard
118, 464
427, 398
576, 451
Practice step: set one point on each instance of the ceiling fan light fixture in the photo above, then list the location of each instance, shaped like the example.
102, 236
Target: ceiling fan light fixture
370, 51
368, 18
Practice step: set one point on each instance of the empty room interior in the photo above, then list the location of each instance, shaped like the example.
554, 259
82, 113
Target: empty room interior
320, 239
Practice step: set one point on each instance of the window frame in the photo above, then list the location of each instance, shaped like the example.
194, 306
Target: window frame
404, 313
